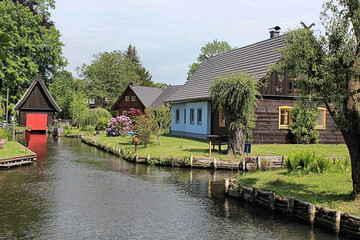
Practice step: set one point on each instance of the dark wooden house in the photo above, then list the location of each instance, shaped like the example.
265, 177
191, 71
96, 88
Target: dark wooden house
137, 97
193, 115
37, 107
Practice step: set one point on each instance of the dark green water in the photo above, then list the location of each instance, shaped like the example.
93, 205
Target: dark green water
75, 191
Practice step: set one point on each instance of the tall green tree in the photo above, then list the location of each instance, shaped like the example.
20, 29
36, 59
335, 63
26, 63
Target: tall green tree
328, 70
237, 95
62, 89
131, 53
36, 48
210, 49
108, 75
162, 121
4, 42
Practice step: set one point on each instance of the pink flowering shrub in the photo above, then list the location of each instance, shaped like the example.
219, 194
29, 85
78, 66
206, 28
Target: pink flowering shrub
120, 125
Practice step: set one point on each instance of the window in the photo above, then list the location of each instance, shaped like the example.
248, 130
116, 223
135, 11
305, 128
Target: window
221, 118
92, 101
199, 116
85, 100
177, 116
321, 121
124, 113
133, 98
184, 115
284, 117
191, 116
127, 98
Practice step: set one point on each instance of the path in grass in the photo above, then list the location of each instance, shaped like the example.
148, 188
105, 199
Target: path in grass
184, 147
13, 149
330, 190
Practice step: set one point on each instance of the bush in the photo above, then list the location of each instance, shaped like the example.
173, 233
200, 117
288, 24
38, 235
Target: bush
303, 121
144, 126
120, 125
5, 133
307, 162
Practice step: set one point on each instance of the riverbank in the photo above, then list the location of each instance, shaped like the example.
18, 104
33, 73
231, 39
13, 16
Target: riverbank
13, 149
13, 154
309, 198
182, 147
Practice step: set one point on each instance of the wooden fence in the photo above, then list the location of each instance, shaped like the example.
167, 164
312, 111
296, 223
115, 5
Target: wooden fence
339, 223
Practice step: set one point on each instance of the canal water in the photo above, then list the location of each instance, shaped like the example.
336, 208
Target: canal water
75, 191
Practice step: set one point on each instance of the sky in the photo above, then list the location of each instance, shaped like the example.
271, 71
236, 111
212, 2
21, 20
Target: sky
169, 34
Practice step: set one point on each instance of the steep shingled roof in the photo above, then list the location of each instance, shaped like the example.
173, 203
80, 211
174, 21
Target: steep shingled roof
164, 95
253, 59
30, 89
147, 95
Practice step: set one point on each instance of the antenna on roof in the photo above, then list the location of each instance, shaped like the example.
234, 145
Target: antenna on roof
307, 27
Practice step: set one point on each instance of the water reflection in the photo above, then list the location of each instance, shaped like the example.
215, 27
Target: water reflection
85, 193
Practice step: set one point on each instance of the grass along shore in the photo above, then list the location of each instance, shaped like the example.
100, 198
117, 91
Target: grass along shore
13, 149
184, 147
331, 189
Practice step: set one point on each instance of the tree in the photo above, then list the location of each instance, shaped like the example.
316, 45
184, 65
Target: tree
78, 108
4, 42
304, 119
210, 49
144, 126
62, 89
36, 49
108, 75
328, 70
237, 95
131, 53
162, 121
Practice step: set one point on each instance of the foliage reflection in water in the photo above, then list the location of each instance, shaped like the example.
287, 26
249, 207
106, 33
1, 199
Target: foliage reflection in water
80, 192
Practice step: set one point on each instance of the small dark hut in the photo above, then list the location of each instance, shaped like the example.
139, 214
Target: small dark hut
37, 107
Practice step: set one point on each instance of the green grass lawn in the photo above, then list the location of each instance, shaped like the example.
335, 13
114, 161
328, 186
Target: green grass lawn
13, 149
184, 147
331, 190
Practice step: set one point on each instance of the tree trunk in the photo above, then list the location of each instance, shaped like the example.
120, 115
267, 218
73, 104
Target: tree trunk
158, 138
236, 141
352, 141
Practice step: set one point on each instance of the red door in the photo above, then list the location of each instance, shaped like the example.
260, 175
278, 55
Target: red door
37, 121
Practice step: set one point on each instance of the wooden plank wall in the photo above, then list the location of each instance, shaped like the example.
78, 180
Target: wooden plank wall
267, 129
125, 106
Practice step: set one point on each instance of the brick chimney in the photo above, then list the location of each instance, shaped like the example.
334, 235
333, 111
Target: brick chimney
274, 31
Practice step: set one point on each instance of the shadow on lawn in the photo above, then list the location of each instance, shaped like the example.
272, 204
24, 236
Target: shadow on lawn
302, 192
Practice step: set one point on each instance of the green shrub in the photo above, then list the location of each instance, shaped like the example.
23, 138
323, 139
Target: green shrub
307, 162
342, 165
5, 133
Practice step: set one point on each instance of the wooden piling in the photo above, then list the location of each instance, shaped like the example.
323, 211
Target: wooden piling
148, 158
227, 183
311, 212
191, 160
290, 206
337, 220
214, 163
272, 201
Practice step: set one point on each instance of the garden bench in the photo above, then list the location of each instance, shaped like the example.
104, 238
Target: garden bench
218, 140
